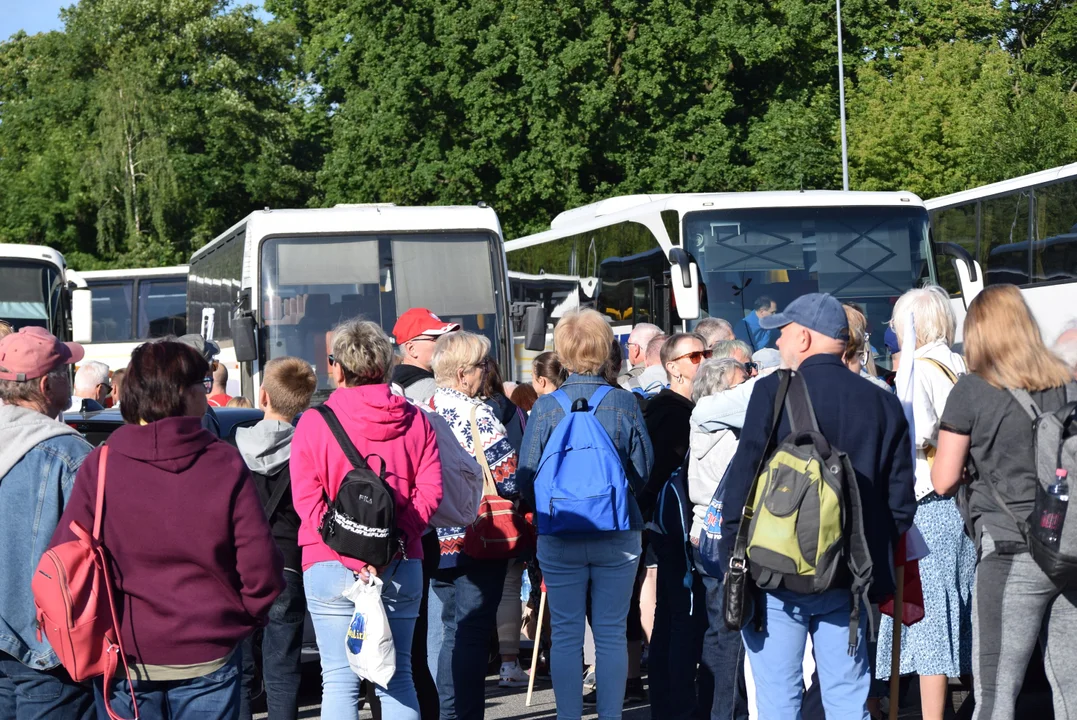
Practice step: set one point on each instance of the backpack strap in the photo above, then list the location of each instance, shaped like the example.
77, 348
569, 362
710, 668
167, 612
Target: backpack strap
738, 562
859, 559
950, 375
354, 457
597, 397
98, 514
1026, 402
800, 409
278, 491
563, 400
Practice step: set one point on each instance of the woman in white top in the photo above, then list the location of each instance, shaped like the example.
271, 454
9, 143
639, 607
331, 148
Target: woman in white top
939, 646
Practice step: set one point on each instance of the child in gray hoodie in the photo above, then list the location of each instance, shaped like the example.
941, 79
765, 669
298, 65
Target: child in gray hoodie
287, 386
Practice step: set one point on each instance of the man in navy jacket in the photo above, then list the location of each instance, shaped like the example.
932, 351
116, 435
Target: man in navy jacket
866, 423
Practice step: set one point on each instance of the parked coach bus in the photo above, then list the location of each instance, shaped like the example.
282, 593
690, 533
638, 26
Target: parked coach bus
672, 260
38, 289
278, 281
131, 307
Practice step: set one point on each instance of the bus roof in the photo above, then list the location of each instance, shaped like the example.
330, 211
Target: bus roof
126, 273
32, 252
359, 219
631, 207
1003, 188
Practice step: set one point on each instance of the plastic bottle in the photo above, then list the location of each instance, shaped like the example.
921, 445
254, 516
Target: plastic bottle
1051, 511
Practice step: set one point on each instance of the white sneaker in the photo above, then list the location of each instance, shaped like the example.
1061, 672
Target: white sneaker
512, 675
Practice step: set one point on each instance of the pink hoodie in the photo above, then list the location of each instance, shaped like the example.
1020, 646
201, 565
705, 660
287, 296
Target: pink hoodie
379, 423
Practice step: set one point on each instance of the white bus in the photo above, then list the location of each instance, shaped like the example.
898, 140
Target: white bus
38, 289
278, 281
131, 307
1021, 231
674, 259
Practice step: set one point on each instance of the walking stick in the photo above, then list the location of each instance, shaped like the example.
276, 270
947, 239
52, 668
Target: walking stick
895, 643
535, 652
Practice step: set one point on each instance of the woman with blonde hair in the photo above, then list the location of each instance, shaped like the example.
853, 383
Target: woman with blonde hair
939, 646
469, 588
857, 355
985, 431
601, 563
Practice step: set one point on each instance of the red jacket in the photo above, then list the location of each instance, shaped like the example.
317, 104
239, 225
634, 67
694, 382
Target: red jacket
378, 423
194, 563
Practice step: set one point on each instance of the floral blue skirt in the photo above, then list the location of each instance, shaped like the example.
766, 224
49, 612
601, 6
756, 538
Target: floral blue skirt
941, 643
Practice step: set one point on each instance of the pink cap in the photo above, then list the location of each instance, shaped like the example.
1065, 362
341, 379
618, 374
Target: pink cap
33, 352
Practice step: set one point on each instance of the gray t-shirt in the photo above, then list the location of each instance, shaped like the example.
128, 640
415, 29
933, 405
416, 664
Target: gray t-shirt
1001, 451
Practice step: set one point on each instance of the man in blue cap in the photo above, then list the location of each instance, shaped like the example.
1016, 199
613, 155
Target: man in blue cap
866, 423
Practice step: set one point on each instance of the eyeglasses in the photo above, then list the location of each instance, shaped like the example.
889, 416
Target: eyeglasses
207, 384
751, 368
332, 360
696, 356
632, 345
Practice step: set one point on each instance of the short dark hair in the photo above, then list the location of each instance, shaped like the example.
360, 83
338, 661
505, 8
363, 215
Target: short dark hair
763, 302
157, 380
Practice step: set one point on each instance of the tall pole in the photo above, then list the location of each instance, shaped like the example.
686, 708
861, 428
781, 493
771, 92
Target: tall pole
841, 99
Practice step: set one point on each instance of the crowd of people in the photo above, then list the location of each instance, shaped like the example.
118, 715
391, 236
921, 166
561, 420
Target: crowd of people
218, 553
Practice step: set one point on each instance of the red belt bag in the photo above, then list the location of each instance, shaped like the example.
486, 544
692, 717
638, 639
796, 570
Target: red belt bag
500, 531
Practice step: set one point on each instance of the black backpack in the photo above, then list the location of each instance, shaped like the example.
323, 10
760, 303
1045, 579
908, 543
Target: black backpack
360, 522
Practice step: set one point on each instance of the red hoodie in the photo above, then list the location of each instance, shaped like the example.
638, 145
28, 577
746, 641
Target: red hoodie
378, 423
194, 563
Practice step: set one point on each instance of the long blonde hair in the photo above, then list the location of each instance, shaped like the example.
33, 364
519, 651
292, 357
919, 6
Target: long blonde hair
1003, 344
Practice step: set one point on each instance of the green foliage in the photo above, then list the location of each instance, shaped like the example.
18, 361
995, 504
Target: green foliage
147, 127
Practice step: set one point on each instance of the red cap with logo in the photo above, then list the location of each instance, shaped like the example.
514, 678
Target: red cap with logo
420, 321
34, 352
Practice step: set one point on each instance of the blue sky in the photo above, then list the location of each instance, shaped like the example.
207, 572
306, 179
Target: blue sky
33, 16
36, 16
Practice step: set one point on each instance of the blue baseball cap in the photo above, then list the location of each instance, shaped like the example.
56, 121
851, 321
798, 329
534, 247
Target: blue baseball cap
890, 339
821, 312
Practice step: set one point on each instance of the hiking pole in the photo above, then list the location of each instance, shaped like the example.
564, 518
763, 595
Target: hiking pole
895, 642
535, 652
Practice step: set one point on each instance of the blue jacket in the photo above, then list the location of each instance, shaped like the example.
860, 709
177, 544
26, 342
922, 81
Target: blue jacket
619, 414
38, 461
860, 419
749, 331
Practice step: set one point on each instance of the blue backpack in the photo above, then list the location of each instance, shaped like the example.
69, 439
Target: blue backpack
580, 484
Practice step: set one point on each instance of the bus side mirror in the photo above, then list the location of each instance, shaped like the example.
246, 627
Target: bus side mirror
243, 338
81, 315
685, 280
535, 328
969, 274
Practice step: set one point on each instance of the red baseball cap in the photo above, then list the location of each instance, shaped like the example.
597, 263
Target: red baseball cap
420, 321
33, 352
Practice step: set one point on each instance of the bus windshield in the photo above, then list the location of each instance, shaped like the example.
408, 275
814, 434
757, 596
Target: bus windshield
30, 294
312, 283
866, 255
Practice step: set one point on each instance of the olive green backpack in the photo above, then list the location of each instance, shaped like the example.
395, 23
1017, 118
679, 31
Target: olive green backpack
806, 525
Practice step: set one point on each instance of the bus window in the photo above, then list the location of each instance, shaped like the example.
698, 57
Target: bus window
162, 308
1004, 234
1054, 253
954, 225
112, 304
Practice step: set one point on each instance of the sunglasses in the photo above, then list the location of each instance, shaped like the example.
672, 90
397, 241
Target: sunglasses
207, 383
332, 360
696, 356
751, 368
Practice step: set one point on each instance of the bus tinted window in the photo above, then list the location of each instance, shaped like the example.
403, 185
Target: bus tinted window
1004, 239
112, 303
162, 308
954, 225
1054, 253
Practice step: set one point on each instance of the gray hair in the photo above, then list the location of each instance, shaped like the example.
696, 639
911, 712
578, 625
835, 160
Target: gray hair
363, 351
642, 333
715, 376
91, 374
1065, 346
17, 392
726, 348
932, 313
714, 329
457, 351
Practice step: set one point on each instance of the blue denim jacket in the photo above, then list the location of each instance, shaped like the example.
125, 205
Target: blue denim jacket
33, 495
619, 414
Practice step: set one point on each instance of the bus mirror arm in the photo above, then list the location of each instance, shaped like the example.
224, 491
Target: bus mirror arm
957, 252
680, 257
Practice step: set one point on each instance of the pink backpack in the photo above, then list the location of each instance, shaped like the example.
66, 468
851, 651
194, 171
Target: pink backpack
73, 593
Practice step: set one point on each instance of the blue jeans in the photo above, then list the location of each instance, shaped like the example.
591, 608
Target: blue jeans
331, 612
723, 653
282, 646
777, 654
609, 562
214, 696
681, 686
435, 631
469, 594
28, 694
